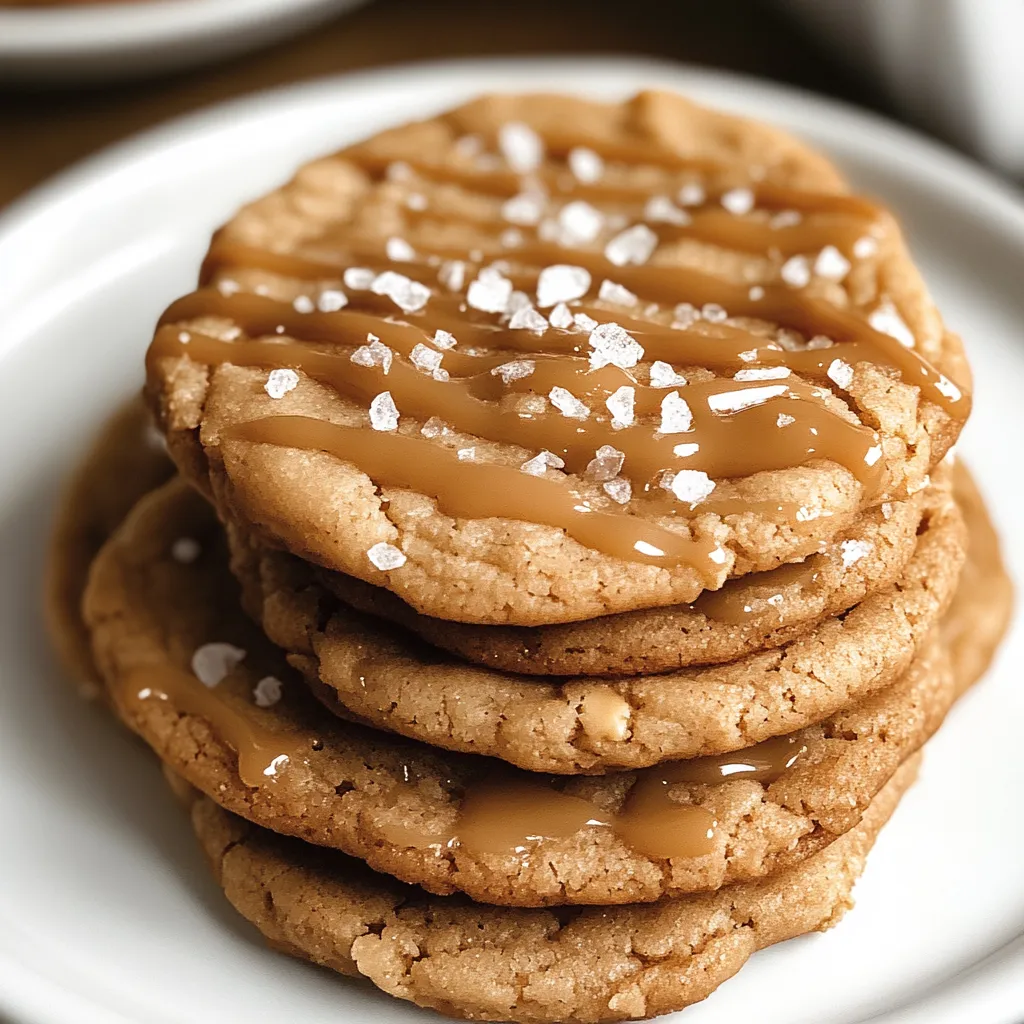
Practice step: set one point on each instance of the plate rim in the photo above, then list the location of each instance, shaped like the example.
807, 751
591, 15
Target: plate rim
993, 985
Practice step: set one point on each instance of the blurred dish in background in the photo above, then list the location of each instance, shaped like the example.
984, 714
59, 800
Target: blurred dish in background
952, 65
78, 40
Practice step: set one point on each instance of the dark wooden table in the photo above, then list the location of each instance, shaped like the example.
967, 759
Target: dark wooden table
43, 131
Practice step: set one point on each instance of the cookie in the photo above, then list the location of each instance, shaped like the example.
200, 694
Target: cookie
535, 966
540, 360
267, 751
392, 680
983, 604
751, 613
127, 460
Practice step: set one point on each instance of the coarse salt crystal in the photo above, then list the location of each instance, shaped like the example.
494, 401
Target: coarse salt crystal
490, 292
528, 319
676, 417
606, 464
663, 375
425, 359
620, 404
539, 464
416, 201
796, 272
515, 370
228, 287
685, 315
738, 200
407, 294
831, 264
886, 318
525, 209
736, 401
756, 293
185, 550
614, 345
864, 248
690, 485
442, 339
691, 194
511, 238
434, 427
713, 313
267, 692
619, 490
331, 300
359, 279
840, 373
568, 404
303, 304
521, 146
212, 663
398, 170
661, 210
280, 382
586, 165
468, 146
579, 223
376, 353
820, 341
399, 250
452, 274
872, 455
466, 454
561, 283
762, 373
684, 451
584, 322
785, 219
947, 388
853, 551
561, 317
784, 420
617, 293
386, 556
632, 246
383, 412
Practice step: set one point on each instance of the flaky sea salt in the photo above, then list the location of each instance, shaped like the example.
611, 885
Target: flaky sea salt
713, 313
613, 345
619, 490
466, 454
691, 194
586, 165
490, 292
452, 274
616, 293
386, 556
796, 272
853, 551
886, 318
784, 420
409, 295
738, 200
840, 373
416, 201
579, 223
568, 404
280, 381
663, 375
685, 315
661, 210
528, 319
212, 663
584, 322
185, 550
303, 304
684, 451
425, 359
383, 412
517, 369
561, 317
676, 416
762, 373
331, 300
524, 209
831, 264
376, 353
785, 219
399, 250
736, 401
561, 283
434, 427
866, 247
632, 246
521, 146
756, 293
267, 692
442, 339
539, 464
690, 485
620, 404
359, 279
606, 464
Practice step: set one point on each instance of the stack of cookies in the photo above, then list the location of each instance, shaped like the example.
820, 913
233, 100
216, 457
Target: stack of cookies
561, 574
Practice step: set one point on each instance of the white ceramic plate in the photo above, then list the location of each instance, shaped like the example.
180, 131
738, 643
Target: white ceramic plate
145, 37
107, 914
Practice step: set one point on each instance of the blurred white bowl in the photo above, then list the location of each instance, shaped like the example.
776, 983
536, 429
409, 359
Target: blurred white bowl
119, 40
953, 65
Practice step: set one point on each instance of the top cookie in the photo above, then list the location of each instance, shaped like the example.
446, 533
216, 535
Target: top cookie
540, 359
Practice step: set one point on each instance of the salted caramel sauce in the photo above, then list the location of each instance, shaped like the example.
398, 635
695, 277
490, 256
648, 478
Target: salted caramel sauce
763, 762
477, 490
761, 595
263, 752
604, 715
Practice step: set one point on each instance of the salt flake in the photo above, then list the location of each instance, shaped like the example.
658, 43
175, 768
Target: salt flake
586, 165
404, 292
518, 369
762, 373
690, 485
692, 194
663, 375
632, 246
442, 339
661, 210
280, 382
425, 359
561, 317
561, 283
616, 293
619, 490
267, 692
539, 464
831, 264
376, 353
620, 404
796, 272
579, 223
490, 292
331, 300
738, 200
359, 279
212, 663
676, 417
568, 404
525, 209
528, 319
886, 318
841, 373
853, 551
521, 146
606, 465
383, 412
614, 345
736, 401
386, 556
399, 250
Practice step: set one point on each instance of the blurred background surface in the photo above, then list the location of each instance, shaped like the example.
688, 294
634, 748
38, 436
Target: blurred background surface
946, 65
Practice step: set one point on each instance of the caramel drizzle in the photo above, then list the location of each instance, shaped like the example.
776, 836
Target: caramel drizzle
759, 596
